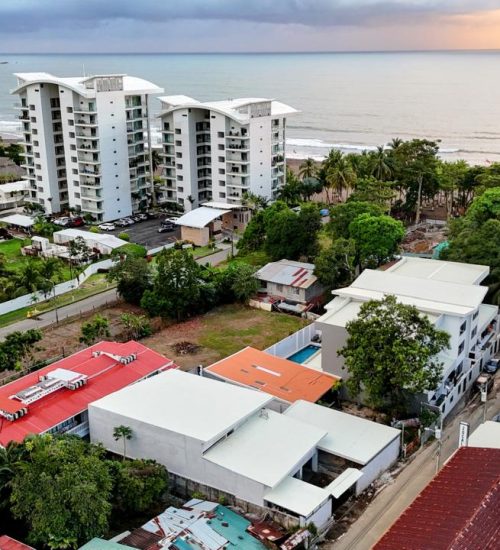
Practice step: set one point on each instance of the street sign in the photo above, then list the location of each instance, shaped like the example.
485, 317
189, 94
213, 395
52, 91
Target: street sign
484, 394
463, 434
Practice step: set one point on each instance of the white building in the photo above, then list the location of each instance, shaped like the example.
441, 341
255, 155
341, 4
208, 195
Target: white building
486, 435
13, 194
87, 142
220, 149
224, 437
104, 243
449, 294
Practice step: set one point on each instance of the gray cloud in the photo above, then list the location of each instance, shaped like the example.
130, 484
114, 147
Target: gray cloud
23, 16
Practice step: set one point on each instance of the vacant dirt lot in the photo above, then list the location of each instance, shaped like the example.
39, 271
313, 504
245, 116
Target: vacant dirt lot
216, 334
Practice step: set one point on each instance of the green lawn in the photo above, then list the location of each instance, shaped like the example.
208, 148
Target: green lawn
228, 329
95, 284
202, 251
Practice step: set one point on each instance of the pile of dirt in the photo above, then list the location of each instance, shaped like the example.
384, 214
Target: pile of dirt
185, 348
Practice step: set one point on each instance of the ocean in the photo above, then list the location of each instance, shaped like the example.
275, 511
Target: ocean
350, 101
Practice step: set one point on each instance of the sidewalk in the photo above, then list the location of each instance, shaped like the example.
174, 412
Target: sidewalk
395, 498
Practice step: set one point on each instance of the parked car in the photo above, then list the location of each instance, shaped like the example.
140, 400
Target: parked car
121, 223
107, 226
78, 221
63, 221
128, 221
491, 366
136, 218
485, 380
143, 217
166, 228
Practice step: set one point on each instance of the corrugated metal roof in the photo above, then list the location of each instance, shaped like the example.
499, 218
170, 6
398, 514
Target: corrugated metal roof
289, 273
105, 375
459, 508
200, 217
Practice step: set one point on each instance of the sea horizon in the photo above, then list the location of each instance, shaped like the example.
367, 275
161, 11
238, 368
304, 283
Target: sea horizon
349, 100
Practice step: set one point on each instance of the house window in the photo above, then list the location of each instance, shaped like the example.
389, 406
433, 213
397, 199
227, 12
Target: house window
463, 326
279, 288
220, 134
461, 348
474, 332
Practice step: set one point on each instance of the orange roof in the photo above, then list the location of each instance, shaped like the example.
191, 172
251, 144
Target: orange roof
284, 379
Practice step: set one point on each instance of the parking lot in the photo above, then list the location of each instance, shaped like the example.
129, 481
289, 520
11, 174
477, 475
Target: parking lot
146, 233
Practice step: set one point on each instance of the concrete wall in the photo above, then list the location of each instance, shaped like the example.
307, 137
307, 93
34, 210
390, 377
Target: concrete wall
200, 237
379, 464
296, 341
332, 340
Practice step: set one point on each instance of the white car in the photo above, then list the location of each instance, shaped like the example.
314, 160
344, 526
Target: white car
128, 221
107, 226
63, 221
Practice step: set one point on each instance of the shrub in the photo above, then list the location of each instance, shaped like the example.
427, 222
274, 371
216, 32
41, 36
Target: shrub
131, 249
94, 229
124, 236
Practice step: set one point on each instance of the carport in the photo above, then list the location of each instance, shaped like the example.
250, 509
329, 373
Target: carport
201, 224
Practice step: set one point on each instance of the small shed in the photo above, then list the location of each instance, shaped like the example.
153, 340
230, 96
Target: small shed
19, 221
201, 224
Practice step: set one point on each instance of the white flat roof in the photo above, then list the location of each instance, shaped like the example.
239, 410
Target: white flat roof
200, 217
343, 482
14, 186
297, 496
486, 435
185, 403
223, 205
266, 448
348, 436
19, 220
103, 238
438, 270
487, 313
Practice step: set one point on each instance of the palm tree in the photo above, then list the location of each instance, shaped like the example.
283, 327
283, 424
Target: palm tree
10, 455
307, 169
340, 176
380, 166
125, 433
29, 277
395, 144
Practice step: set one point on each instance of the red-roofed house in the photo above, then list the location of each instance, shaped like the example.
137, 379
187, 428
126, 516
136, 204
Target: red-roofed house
55, 399
458, 510
8, 543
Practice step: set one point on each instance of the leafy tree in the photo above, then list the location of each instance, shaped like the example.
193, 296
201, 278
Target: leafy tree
381, 167
79, 253
373, 191
95, 329
176, 287
43, 227
335, 266
133, 276
62, 491
451, 177
391, 352
28, 278
17, 348
281, 236
242, 283
291, 192
50, 270
341, 216
138, 485
340, 174
377, 238
124, 433
307, 169
255, 233
137, 326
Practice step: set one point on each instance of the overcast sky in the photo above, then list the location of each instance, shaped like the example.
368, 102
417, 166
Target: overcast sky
246, 25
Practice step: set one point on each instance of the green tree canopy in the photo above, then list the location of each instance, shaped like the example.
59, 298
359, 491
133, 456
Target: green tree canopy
335, 265
391, 352
377, 238
95, 329
341, 216
62, 491
133, 276
17, 347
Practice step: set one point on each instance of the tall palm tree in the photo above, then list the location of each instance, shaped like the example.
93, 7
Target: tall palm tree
10, 455
307, 169
380, 165
340, 176
395, 143
125, 433
29, 278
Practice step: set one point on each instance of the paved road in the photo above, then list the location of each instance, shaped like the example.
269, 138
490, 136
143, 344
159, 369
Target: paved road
92, 302
392, 500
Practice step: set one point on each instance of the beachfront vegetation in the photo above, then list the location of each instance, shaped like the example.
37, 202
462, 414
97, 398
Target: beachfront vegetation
391, 352
61, 491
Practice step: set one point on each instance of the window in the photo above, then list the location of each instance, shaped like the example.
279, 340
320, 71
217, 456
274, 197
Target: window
76, 183
177, 130
461, 348
222, 171
72, 134
77, 195
180, 189
179, 166
220, 135
32, 107
69, 109
178, 143
74, 159
221, 159
474, 332
33, 119
279, 288
222, 195
178, 155
72, 147
74, 171
463, 326
222, 183
180, 178
221, 147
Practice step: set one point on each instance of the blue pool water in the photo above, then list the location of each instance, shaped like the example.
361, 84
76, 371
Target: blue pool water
303, 354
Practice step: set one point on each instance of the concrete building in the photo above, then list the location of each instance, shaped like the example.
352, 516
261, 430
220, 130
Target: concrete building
225, 437
486, 435
55, 398
449, 294
87, 142
221, 149
287, 381
104, 243
13, 194
289, 286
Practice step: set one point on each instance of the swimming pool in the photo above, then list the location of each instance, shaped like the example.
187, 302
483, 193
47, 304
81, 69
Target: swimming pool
304, 353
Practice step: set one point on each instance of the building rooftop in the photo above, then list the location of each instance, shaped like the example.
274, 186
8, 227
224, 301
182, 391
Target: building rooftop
438, 270
486, 435
425, 294
348, 436
131, 84
8, 543
289, 273
297, 496
266, 448
236, 109
14, 186
184, 403
458, 508
284, 379
200, 217
103, 238
40, 407
101, 544
18, 219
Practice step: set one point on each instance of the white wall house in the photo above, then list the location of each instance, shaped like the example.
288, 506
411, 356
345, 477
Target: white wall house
13, 194
220, 149
224, 436
449, 294
87, 142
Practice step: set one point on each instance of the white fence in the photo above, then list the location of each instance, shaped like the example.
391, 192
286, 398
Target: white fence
61, 288
294, 342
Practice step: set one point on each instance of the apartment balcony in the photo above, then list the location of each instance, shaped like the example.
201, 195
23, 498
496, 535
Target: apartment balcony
90, 183
87, 122
135, 114
85, 133
87, 147
239, 158
24, 116
135, 127
92, 173
240, 135
237, 180
90, 110
91, 158
241, 146
236, 169
92, 207
136, 139
27, 162
92, 196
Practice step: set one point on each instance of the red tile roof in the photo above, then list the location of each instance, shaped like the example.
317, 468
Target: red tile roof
458, 510
7, 543
282, 378
105, 375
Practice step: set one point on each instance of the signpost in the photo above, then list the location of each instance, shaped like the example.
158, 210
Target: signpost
463, 434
